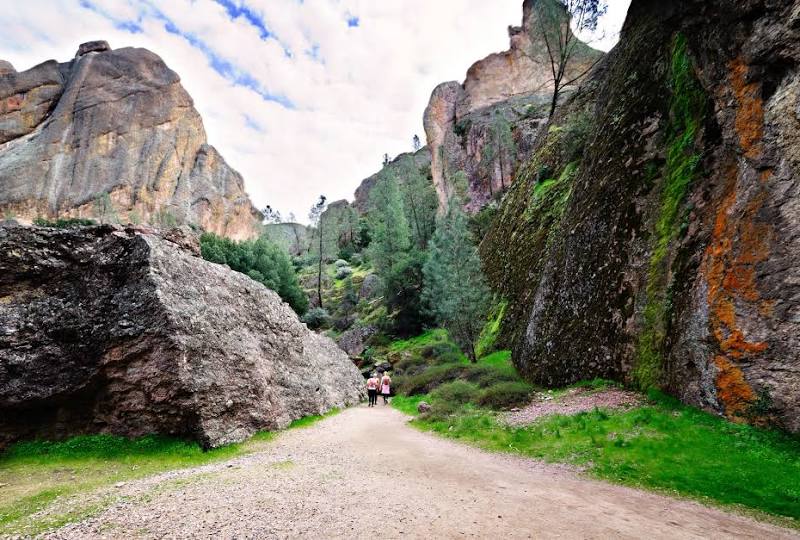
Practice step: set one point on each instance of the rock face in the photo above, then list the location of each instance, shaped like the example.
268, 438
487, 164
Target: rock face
505, 95
354, 341
361, 202
654, 235
118, 123
105, 330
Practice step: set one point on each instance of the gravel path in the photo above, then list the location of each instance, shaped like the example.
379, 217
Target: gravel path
364, 473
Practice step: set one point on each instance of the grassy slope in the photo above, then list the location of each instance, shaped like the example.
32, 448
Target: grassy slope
663, 445
34, 474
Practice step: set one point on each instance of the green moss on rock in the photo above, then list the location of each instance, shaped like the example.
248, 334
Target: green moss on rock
687, 110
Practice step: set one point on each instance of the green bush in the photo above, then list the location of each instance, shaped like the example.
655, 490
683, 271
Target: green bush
485, 375
341, 263
505, 394
343, 271
262, 261
316, 318
431, 378
64, 223
456, 392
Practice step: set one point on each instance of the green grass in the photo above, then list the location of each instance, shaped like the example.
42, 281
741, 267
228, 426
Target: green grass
431, 337
491, 331
663, 446
35, 473
408, 404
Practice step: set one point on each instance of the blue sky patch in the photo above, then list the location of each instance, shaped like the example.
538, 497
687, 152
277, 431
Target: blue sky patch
353, 22
235, 11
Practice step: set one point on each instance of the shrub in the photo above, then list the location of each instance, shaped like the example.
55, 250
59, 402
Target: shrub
64, 223
356, 259
343, 271
506, 394
341, 263
262, 261
424, 382
487, 375
456, 392
316, 318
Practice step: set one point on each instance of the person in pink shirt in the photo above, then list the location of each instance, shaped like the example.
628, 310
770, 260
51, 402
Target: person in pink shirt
386, 387
372, 389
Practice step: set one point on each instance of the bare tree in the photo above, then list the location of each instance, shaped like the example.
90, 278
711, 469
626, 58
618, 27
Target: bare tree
555, 21
315, 215
271, 215
415, 142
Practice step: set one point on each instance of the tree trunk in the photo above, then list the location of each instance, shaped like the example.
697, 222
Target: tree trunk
319, 273
554, 103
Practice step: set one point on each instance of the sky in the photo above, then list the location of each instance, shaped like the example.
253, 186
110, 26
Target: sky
302, 97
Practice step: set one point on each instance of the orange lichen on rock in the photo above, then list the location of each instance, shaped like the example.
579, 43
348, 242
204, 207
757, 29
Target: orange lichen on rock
750, 109
732, 390
737, 245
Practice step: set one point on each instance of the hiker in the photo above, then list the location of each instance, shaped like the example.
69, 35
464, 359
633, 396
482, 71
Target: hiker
386, 389
372, 389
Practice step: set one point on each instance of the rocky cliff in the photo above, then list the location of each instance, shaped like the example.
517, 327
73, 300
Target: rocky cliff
482, 129
422, 158
115, 122
653, 236
124, 331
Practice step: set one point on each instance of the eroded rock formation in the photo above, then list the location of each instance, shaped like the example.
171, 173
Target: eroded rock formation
505, 92
114, 122
124, 331
654, 235
422, 158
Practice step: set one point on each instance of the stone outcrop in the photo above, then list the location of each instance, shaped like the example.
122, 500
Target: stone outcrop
111, 330
422, 158
505, 92
653, 235
354, 341
115, 122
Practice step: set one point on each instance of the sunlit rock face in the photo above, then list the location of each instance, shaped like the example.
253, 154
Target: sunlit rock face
653, 235
516, 85
115, 122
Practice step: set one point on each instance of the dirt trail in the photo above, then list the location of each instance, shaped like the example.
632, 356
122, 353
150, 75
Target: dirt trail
364, 473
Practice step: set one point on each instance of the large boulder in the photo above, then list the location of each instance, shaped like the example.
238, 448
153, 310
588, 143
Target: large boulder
354, 341
106, 330
654, 235
113, 135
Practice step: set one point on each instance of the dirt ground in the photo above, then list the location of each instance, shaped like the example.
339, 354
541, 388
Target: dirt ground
365, 473
572, 402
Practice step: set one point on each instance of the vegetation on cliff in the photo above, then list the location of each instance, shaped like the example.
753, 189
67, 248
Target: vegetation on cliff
262, 261
687, 110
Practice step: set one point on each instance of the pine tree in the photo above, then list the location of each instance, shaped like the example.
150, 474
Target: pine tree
397, 260
419, 201
455, 289
391, 236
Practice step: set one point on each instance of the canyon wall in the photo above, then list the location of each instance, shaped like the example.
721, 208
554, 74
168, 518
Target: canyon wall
653, 236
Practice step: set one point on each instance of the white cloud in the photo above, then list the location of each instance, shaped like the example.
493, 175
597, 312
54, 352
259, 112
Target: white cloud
363, 95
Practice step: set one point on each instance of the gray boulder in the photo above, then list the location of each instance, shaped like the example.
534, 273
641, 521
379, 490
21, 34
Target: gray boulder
370, 287
92, 46
423, 407
354, 341
111, 330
